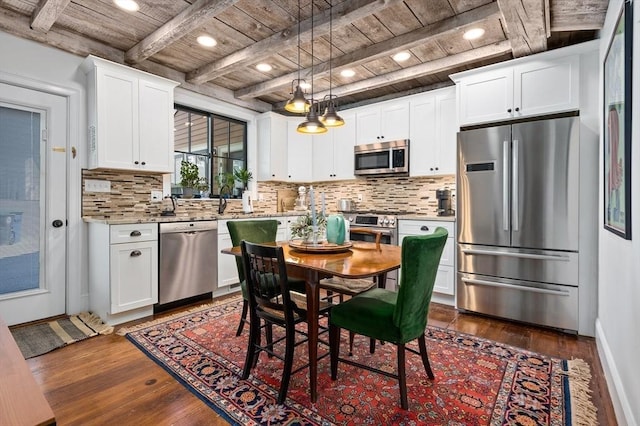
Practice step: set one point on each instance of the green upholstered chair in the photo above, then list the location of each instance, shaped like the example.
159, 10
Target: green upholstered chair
395, 317
253, 231
272, 302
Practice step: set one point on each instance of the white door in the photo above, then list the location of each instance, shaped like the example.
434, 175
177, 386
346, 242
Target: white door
33, 143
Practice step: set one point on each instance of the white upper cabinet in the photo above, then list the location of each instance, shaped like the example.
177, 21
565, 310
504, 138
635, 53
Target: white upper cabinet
528, 88
333, 151
272, 147
130, 115
387, 121
434, 125
299, 147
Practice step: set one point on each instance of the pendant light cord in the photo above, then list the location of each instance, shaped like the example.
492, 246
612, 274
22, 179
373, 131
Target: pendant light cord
330, 47
312, 54
298, 42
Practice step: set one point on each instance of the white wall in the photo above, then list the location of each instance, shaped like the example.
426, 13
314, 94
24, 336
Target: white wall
30, 64
618, 325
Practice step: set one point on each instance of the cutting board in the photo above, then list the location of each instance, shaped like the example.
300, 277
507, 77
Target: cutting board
286, 199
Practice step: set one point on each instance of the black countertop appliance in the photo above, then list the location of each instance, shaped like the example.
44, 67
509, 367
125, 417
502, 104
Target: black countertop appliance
444, 202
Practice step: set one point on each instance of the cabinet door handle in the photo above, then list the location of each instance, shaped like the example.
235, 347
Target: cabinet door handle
136, 253
135, 234
144, 162
136, 162
517, 109
509, 110
424, 228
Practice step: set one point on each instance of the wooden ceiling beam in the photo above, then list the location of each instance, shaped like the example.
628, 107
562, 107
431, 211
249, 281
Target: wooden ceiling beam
18, 25
402, 42
578, 22
182, 24
343, 14
526, 25
46, 14
427, 68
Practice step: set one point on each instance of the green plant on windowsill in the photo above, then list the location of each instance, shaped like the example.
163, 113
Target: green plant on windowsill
190, 179
303, 227
226, 183
243, 176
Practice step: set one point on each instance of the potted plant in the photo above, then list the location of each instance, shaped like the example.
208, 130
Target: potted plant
190, 179
225, 183
243, 176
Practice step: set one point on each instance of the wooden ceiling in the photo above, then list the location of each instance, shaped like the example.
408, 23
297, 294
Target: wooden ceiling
161, 38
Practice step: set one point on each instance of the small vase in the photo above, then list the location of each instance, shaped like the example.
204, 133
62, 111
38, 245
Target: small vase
335, 229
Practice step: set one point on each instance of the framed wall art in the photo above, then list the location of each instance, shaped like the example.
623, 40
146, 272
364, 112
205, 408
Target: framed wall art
617, 125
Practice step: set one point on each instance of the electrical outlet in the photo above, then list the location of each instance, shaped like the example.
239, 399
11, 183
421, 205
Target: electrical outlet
156, 196
93, 185
360, 198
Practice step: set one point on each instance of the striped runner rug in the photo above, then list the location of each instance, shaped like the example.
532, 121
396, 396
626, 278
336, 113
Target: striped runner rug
37, 339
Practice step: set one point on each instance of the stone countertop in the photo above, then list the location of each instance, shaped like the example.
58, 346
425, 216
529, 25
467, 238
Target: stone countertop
426, 217
182, 218
230, 216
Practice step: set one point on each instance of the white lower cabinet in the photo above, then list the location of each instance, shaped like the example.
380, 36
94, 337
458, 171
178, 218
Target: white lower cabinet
445, 280
227, 268
123, 271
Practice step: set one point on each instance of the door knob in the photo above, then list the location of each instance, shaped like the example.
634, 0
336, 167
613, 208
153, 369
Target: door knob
57, 223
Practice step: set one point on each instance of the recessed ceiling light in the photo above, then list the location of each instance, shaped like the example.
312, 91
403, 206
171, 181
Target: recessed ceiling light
207, 41
347, 73
473, 34
264, 67
401, 56
128, 5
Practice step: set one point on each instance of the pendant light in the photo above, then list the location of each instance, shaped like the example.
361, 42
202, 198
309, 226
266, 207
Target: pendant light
312, 125
330, 118
298, 104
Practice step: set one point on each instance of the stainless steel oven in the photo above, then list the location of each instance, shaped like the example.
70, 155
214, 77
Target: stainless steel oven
386, 224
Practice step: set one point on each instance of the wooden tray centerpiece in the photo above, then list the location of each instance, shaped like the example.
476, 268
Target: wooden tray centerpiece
320, 246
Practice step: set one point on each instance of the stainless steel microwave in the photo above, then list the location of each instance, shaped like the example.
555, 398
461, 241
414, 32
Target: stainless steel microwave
382, 158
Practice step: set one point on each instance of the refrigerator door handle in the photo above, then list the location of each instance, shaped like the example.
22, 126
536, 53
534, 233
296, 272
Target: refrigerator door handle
514, 190
520, 255
515, 287
505, 186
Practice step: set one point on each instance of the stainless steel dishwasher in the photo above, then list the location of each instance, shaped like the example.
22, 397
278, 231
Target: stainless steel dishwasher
188, 260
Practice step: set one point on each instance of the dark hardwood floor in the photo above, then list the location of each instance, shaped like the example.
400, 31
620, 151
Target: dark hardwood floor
107, 380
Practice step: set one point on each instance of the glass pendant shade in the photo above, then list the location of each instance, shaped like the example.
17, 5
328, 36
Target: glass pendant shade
330, 118
312, 125
298, 103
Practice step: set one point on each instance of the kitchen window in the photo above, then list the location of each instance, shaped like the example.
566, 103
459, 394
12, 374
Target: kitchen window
218, 145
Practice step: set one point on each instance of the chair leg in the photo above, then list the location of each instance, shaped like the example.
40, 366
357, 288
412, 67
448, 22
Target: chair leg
288, 365
334, 349
402, 378
425, 357
351, 337
243, 316
269, 335
372, 346
251, 358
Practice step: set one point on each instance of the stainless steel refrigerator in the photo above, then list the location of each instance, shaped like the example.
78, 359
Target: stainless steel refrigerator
518, 218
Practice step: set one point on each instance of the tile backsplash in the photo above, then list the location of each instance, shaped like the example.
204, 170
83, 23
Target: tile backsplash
130, 195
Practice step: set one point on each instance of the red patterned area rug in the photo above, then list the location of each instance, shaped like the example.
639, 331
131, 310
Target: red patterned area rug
478, 381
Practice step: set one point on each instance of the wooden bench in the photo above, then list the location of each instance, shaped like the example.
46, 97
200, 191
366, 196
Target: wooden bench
21, 400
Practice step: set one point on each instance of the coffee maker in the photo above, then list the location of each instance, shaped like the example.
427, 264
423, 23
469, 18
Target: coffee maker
444, 202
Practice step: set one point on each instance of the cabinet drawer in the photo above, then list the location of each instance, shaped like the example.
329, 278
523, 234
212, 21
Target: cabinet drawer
134, 232
415, 227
